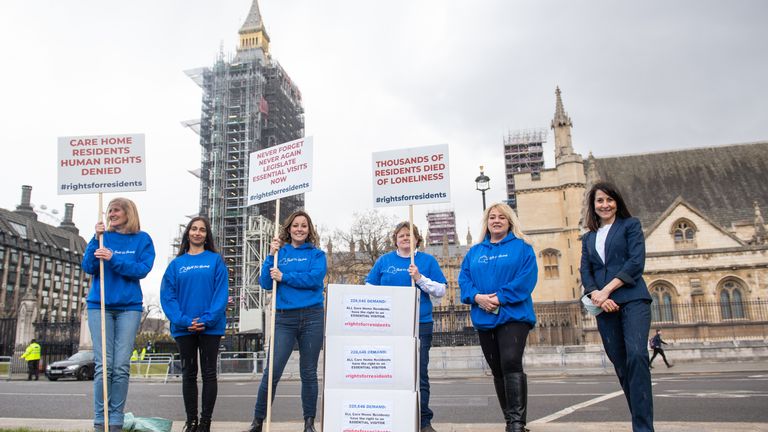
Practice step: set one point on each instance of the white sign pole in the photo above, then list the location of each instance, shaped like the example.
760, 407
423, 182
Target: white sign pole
98, 164
272, 322
104, 386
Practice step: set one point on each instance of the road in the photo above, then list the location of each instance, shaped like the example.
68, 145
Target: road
701, 397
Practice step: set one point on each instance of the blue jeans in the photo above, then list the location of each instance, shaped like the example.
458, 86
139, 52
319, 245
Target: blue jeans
121, 328
625, 338
425, 343
304, 326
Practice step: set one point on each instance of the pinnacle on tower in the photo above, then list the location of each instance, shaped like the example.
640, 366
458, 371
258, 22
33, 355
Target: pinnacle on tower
561, 117
562, 125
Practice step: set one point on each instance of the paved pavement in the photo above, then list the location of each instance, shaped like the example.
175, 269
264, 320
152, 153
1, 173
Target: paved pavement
686, 368
85, 425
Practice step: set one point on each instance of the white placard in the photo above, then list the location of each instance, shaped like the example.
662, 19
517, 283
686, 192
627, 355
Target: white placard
371, 362
416, 175
404, 310
368, 312
280, 171
101, 163
367, 411
368, 363
369, 416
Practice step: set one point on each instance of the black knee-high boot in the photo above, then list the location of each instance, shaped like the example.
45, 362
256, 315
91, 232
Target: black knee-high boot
516, 389
501, 394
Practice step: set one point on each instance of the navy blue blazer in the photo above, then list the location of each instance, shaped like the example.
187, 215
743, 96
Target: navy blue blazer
624, 259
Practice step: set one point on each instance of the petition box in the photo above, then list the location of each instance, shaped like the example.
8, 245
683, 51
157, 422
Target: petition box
370, 362
369, 411
367, 310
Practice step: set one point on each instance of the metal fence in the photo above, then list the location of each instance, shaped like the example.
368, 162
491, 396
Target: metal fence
566, 323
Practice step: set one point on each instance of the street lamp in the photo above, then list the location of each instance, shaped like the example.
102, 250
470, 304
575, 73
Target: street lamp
482, 184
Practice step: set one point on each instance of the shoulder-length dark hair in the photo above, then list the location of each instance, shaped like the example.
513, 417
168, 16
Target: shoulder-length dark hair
285, 230
209, 245
593, 220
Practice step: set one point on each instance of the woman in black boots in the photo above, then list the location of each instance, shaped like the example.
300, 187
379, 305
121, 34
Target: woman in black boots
497, 278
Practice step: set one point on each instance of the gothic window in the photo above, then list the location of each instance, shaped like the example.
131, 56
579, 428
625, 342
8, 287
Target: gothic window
662, 308
731, 300
550, 258
684, 233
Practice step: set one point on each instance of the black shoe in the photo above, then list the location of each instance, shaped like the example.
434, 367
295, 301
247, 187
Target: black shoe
190, 426
256, 425
428, 428
309, 424
204, 426
516, 390
669, 366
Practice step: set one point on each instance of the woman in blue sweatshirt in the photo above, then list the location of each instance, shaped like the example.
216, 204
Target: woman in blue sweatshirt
128, 255
194, 298
395, 269
300, 272
497, 278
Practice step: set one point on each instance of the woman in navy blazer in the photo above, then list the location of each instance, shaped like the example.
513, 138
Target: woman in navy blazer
612, 261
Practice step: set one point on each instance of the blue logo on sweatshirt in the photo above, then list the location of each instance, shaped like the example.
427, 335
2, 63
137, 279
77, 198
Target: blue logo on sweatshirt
484, 259
394, 270
192, 267
284, 261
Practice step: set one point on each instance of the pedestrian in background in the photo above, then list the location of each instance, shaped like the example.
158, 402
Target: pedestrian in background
612, 263
497, 278
128, 255
299, 313
656, 343
395, 269
32, 356
194, 295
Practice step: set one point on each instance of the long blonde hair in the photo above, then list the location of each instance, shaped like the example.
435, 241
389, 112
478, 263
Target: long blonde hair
514, 222
132, 224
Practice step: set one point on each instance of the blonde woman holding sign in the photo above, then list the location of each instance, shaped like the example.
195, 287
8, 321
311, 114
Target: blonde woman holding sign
128, 256
299, 275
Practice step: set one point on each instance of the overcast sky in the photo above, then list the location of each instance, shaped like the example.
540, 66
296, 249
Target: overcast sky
376, 75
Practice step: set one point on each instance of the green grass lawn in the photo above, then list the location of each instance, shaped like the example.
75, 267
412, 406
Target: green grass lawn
139, 369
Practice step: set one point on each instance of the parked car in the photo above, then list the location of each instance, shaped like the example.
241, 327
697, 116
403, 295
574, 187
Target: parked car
80, 365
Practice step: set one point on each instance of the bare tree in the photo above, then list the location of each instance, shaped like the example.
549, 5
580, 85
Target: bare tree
353, 252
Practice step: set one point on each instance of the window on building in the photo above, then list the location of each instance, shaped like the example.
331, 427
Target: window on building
662, 308
550, 258
732, 300
684, 233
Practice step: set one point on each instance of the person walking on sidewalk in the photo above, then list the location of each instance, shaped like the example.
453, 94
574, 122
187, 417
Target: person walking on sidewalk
32, 356
656, 343
497, 278
395, 269
612, 263
194, 298
299, 313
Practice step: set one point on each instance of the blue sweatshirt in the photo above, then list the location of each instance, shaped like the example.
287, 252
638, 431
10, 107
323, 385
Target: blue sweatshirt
303, 271
392, 270
196, 286
132, 258
507, 268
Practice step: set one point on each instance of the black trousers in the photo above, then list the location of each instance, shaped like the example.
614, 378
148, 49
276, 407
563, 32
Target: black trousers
657, 351
33, 368
503, 347
208, 348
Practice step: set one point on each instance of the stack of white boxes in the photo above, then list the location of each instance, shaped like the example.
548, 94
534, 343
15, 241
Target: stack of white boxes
371, 361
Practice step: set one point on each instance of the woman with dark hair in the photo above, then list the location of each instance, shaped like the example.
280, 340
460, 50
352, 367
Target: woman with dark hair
497, 278
194, 298
299, 275
395, 269
612, 262
128, 255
